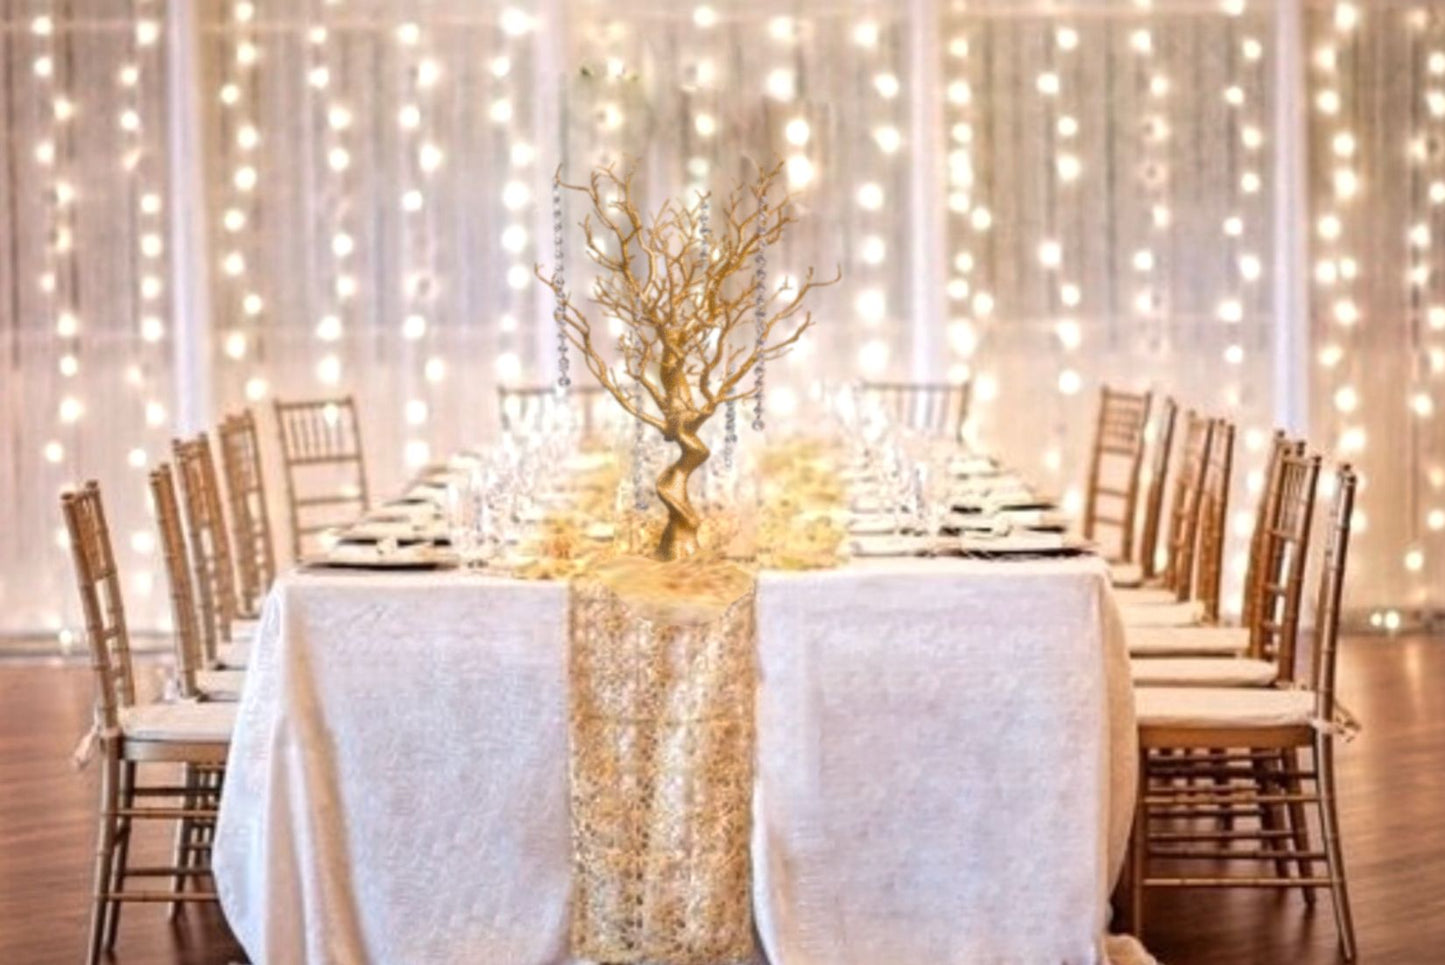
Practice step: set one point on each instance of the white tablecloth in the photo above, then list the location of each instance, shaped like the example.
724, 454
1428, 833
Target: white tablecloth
946, 768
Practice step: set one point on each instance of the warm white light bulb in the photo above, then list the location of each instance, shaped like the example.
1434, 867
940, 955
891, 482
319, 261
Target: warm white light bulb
800, 171
781, 84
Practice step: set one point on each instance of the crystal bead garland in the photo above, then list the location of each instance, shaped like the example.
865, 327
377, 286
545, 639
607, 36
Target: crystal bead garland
559, 280
761, 312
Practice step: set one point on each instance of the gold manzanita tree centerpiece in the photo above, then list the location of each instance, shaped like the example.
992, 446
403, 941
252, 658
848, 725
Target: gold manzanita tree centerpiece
700, 323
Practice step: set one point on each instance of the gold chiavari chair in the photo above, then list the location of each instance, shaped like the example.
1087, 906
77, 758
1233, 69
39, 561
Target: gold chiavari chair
1260, 777
325, 468
129, 736
210, 554
195, 681
1214, 518
936, 408
1114, 466
1258, 665
523, 407
1176, 582
1146, 569
1203, 548
250, 516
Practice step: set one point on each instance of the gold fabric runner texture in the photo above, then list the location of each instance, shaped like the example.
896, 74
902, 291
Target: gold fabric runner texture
662, 677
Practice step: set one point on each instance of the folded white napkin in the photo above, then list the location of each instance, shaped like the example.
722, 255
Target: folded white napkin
1016, 541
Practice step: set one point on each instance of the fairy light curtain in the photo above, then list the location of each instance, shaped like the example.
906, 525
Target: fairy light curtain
1377, 325
1040, 197
1109, 175
85, 372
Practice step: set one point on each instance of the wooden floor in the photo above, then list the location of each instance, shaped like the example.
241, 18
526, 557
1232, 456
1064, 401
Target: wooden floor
1393, 813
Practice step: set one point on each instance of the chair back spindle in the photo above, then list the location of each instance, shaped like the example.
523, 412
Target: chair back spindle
1276, 626
1184, 505
1214, 518
250, 517
207, 541
1332, 587
189, 649
936, 408
98, 581
1158, 485
1112, 496
324, 467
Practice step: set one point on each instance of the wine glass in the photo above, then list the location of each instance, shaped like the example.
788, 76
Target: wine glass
461, 517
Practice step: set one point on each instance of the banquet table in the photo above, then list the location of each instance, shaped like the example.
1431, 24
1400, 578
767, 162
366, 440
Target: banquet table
945, 767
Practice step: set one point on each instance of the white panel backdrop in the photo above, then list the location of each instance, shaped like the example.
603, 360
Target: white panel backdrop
1040, 197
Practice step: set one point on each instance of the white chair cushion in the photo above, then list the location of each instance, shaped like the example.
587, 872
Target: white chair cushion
243, 631
1145, 596
182, 722
1201, 672
224, 685
234, 656
1222, 707
1187, 641
1126, 574
1186, 614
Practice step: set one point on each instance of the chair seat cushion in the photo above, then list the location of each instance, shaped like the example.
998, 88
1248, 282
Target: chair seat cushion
1126, 574
1202, 672
1222, 707
224, 685
1187, 641
1186, 614
1145, 596
179, 722
233, 656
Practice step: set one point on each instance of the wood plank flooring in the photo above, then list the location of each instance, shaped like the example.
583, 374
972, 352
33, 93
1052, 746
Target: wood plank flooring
1393, 813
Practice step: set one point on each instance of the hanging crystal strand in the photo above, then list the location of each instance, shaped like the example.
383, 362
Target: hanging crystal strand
559, 281
761, 312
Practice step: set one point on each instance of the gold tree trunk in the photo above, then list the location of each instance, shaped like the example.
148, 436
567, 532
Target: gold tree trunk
679, 539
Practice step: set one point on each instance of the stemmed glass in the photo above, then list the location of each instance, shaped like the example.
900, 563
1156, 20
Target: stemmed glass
898, 486
462, 517
936, 497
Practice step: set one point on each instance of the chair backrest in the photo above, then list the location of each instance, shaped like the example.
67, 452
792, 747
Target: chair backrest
1332, 587
1112, 497
1184, 505
187, 631
937, 408
1265, 510
250, 517
209, 547
1276, 626
523, 407
99, 583
1214, 518
1158, 483
325, 469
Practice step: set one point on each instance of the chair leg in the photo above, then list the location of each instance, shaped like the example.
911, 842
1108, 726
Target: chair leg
1139, 849
1330, 830
185, 833
124, 828
1226, 819
1271, 816
104, 853
1299, 822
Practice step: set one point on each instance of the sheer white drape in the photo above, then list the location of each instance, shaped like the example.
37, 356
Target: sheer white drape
1041, 197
